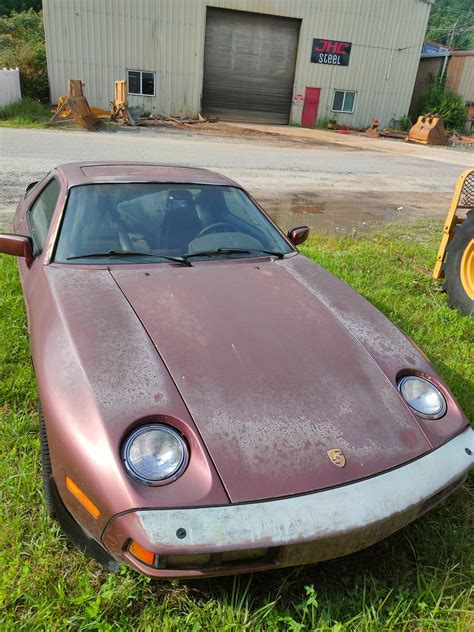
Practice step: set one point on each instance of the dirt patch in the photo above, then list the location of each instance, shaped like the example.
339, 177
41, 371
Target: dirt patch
240, 134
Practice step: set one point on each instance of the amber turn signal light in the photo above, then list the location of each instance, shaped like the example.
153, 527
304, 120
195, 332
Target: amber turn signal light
142, 554
82, 498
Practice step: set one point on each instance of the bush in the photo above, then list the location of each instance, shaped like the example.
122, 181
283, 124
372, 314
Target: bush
25, 112
22, 45
405, 123
448, 104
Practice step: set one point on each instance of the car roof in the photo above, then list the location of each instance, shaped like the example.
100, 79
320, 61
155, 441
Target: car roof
77, 173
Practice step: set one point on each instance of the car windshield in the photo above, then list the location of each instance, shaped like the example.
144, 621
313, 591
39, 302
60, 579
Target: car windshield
150, 222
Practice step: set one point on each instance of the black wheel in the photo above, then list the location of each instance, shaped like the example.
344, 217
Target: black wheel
48, 484
459, 267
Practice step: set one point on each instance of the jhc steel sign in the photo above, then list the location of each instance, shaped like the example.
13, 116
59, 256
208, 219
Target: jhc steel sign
330, 52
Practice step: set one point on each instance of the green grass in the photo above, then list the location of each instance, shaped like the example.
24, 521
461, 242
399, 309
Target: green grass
419, 579
323, 123
25, 113
29, 113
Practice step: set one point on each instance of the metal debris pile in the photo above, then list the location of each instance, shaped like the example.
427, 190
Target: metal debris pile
73, 107
176, 121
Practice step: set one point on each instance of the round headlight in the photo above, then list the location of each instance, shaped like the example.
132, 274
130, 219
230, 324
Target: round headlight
422, 396
155, 453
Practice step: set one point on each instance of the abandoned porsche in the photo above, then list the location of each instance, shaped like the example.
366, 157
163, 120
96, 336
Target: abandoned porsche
212, 402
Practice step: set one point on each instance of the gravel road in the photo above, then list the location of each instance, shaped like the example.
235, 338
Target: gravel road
328, 185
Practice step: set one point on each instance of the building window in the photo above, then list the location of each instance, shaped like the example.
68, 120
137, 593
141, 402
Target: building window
343, 101
141, 82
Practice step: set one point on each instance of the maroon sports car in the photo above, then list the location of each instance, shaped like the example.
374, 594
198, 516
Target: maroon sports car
212, 402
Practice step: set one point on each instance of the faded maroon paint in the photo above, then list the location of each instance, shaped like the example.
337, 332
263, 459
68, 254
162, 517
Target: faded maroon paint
298, 235
18, 246
93, 172
99, 376
271, 378
389, 347
264, 346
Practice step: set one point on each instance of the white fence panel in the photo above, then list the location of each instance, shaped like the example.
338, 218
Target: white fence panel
9, 86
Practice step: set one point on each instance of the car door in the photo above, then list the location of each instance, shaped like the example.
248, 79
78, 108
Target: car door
36, 223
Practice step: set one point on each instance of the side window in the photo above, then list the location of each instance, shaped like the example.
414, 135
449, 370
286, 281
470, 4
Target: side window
41, 213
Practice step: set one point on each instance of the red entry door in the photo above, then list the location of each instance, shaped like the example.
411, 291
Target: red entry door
310, 107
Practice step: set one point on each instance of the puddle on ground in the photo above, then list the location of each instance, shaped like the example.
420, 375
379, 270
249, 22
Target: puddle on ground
349, 212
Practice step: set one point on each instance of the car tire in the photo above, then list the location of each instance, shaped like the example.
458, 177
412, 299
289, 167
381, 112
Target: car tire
453, 285
48, 484
57, 510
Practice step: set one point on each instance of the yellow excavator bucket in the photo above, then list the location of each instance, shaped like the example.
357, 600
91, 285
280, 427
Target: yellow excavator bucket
428, 130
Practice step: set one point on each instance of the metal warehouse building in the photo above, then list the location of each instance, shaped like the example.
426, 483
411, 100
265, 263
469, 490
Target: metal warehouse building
273, 61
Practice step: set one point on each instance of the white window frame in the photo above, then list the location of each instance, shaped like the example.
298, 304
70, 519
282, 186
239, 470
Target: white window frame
140, 94
344, 100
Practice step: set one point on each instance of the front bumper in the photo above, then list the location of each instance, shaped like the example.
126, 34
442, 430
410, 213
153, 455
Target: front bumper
290, 531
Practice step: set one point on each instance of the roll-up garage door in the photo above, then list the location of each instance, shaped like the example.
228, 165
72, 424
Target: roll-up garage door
249, 66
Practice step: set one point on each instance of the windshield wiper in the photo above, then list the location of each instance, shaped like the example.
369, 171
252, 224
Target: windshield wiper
227, 251
216, 252
183, 259
130, 253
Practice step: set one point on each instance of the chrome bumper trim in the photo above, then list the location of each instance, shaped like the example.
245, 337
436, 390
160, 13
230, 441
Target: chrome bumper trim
309, 517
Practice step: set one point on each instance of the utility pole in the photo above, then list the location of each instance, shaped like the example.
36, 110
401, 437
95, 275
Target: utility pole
450, 46
453, 33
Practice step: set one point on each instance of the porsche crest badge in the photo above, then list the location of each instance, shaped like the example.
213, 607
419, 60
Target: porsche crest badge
337, 457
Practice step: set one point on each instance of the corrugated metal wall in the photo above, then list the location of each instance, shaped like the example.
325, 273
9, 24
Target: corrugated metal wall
97, 41
460, 74
466, 84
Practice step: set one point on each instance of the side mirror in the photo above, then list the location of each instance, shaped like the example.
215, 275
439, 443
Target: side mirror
18, 246
298, 235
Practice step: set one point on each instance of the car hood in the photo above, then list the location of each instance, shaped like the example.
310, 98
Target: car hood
274, 376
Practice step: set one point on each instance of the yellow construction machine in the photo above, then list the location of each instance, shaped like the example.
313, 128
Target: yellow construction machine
455, 259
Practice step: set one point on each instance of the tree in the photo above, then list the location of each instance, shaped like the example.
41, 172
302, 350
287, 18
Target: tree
22, 45
8, 6
452, 18
449, 105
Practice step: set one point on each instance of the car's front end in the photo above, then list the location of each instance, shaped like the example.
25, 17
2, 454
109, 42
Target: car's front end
271, 480
301, 529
